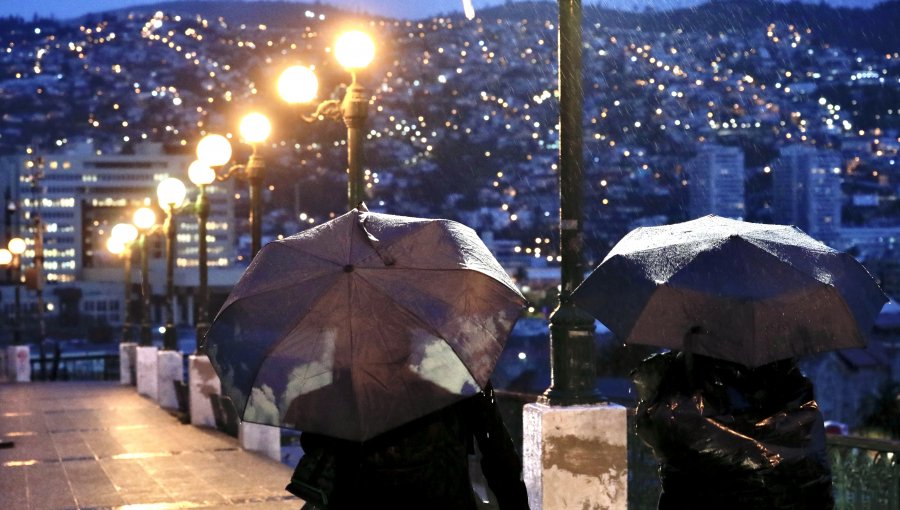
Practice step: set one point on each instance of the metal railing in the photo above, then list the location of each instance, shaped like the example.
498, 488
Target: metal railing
865, 473
76, 367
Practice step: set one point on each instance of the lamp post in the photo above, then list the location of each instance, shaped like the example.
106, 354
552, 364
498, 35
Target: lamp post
202, 176
215, 150
354, 50
171, 193
573, 370
121, 240
145, 219
16, 247
6, 258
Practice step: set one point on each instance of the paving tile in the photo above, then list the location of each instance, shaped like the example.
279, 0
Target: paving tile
98, 446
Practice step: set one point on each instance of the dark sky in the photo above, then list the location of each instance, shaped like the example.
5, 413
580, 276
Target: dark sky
396, 8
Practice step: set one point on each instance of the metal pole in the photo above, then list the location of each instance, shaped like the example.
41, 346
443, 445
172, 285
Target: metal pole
146, 336
355, 110
573, 370
39, 259
202, 321
17, 325
39, 289
127, 333
170, 338
255, 172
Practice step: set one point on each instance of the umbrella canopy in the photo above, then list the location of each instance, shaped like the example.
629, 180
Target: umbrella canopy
743, 292
362, 324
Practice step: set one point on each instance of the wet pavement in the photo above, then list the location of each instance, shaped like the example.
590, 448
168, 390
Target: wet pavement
99, 445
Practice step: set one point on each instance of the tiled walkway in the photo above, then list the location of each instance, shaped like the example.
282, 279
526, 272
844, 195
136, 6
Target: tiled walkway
102, 446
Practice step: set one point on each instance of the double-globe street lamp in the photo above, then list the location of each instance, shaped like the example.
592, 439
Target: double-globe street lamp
202, 175
145, 221
171, 193
11, 257
120, 242
297, 84
215, 150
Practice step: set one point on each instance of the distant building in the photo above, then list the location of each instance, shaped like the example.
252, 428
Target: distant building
80, 197
807, 190
83, 194
716, 176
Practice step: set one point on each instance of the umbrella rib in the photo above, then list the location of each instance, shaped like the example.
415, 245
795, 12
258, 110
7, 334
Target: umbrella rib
270, 348
273, 289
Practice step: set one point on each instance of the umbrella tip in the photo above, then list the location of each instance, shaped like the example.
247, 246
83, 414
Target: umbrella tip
362, 207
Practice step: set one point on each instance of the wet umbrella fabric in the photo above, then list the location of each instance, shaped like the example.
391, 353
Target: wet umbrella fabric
363, 323
739, 291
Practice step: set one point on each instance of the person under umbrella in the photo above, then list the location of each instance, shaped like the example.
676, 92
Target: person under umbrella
732, 421
375, 335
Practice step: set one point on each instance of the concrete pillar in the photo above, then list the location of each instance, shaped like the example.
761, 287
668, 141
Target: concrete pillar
261, 438
148, 371
127, 363
171, 368
202, 382
18, 363
576, 457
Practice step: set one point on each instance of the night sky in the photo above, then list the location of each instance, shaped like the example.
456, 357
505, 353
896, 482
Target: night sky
397, 8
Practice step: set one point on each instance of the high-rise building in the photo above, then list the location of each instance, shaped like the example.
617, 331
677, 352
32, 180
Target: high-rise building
807, 190
81, 194
716, 176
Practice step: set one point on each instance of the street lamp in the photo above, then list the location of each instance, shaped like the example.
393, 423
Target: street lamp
145, 219
6, 258
215, 150
16, 247
573, 371
354, 51
171, 193
202, 176
120, 242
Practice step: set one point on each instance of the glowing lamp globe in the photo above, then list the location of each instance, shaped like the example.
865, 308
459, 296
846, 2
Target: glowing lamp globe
214, 150
144, 218
255, 128
115, 246
201, 174
16, 246
125, 232
298, 84
171, 192
354, 49
6, 257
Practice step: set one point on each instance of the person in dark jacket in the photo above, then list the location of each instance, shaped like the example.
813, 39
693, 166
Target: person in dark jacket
423, 464
728, 436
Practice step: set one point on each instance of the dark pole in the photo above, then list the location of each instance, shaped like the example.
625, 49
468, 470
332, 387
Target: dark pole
7, 221
17, 326
127, 333
572, 359
170, 339
255, 172
202, 321
146, 336
355, 110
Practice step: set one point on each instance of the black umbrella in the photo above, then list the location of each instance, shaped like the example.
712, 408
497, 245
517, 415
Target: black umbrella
744, 292
363, 323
